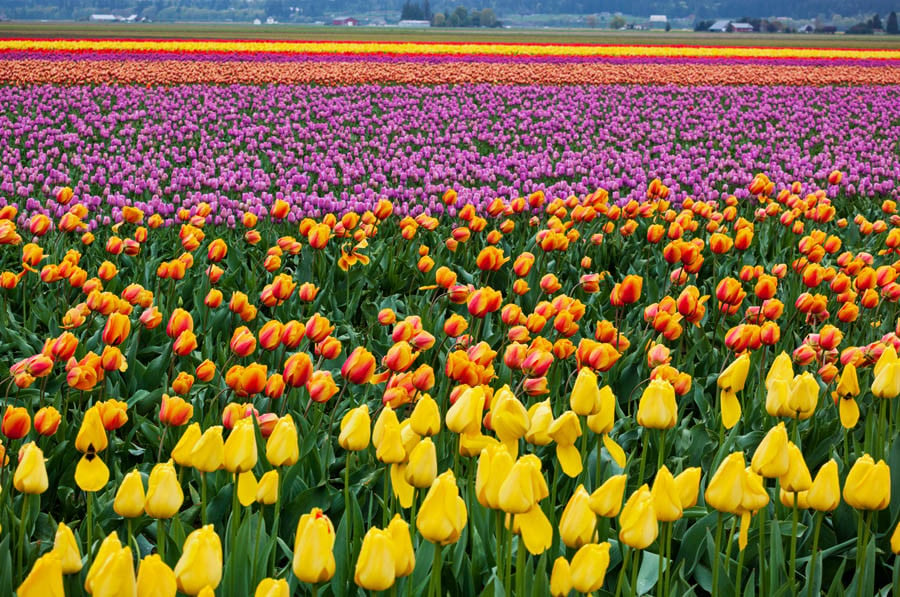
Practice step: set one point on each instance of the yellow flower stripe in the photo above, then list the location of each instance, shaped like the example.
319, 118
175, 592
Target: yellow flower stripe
306, 47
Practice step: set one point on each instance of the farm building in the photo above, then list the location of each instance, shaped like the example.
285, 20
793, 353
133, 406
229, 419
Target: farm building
742, 27
345, 22
720, 26
658, 21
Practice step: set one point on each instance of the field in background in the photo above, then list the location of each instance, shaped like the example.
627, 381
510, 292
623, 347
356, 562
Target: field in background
283, 32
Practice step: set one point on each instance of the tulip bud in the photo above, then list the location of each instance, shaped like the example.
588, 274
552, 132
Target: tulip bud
164, 494
868, 485
130, 498
313, 548
638, 525
155, 578
589, 565
443, 514
200, 564
45, 578
66, 547
31, 473
578, 521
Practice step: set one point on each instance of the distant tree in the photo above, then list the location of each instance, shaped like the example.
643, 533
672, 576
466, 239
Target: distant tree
668, 26
459, 17
617, 22
875, 22
591, 21
487, 18
439, 20
412, 12
861, 28
892, 27
703, 25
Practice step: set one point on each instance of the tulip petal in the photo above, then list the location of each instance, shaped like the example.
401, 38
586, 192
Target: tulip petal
246, 488
535, 530
570, 459
91, 474
615, 450
849, 412
745, 527
402, 489
731, 409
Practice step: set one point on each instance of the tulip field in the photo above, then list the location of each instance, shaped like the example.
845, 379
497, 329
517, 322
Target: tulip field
409, 318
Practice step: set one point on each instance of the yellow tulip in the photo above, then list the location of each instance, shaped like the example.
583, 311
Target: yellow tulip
155, 578
725, 488
409, 438
517, 491
585, 398
270, 587
887, 381
888, 357
578, 521
426, 417
240, 447
657, 408
509, 419
895, 540
603, 420
561, 578
465, 414
734, 377
355, 429
782, 369
845, 395
164, 494
375, 568
182, 451
208, 452
540, 417
754, 496
868, 485
91, 473
638, 526
130, 497
565, 430
45, 578
787, 499
494, 465
422, 467
91, 434
200, 564
283, 446
825, 492
771, 456
115, 577
108, 547
314, 548
535, 530
666, 499
803, 396
66, 547
797, 477
246, 488
267, 488
443, 514
404, 554
389, 446
777, 394
31, 473
589, 566
606, 500
688, 485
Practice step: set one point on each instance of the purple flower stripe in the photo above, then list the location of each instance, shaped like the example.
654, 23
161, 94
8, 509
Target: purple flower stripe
334, 149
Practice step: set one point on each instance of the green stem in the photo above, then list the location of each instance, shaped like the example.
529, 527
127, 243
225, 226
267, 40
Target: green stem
20, 556
669, 534
795, 517
436, 571
585, 475
814, 553
740, 570
203, 498
882, 410
661, 457
598, 480
520, 567
625, 558
161, 538
90, 524
634, 571
861, 571
259, 525
498, 516
347, 501
729, 543
387, 496
860, 557
235, 515
507, 582
718, 551
660, 589
763, 555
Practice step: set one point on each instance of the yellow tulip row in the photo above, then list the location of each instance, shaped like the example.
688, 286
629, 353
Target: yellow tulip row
313, 47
